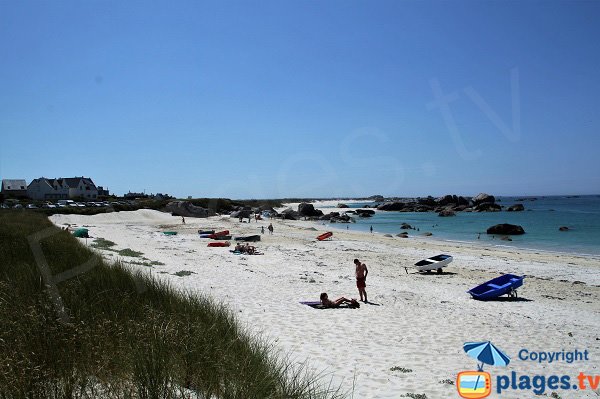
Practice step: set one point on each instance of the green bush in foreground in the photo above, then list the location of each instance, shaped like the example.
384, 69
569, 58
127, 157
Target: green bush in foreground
121, 334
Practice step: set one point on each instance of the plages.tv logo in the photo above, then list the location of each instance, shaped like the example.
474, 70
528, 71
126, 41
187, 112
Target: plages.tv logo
478, 384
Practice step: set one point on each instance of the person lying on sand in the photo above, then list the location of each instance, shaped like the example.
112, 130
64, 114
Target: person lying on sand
328, 303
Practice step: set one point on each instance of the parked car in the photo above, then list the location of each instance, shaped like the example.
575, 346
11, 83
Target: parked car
31, 206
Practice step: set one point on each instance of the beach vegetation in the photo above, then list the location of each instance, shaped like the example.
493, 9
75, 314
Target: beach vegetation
76, 326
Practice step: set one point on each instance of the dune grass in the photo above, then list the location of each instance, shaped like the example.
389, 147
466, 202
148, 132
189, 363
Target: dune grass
120, 334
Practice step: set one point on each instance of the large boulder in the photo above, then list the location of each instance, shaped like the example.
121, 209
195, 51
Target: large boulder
429, 201
306, 209
391, 206
506, 229
447, 199
487, 207
290, 214
516, 208
340, 205
483, 198
365, 213
187, 209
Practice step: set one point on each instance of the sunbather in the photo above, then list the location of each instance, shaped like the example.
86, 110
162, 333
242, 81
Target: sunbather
340, 301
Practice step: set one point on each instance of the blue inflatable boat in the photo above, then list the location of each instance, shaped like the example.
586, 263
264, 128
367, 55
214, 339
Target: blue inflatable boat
503, 285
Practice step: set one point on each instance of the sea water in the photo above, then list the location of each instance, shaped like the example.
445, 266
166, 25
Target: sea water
541, 220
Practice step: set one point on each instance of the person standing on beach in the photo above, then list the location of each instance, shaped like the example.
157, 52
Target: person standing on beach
270, 228
182, 220
262, 230
361, 279
371, 229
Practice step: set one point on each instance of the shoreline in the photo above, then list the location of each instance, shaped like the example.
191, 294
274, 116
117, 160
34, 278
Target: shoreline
414, 321
325, 207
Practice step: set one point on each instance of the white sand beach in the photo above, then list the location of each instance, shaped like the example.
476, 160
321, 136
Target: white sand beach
409, 338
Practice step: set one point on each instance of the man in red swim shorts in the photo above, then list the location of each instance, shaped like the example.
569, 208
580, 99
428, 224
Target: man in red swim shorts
361, 279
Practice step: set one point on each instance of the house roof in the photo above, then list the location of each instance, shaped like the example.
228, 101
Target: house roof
14, 184
41, 180
73, 182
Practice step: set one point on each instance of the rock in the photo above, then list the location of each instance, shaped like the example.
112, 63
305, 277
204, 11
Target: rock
447, 199
429, 201
483, 198
404, 234
563, 228
506, 229
376, 198
406, 226
506, 238
487, 207
446, 213
290, 214
342, 206
365, 213
187, 209
516, 208
387, 235
306, 209
391, 206
427, 234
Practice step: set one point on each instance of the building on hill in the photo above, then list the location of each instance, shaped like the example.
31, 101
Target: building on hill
47, 189
62, 188
14, 188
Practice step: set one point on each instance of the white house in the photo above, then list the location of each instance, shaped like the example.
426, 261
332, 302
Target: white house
62, 188
82, 187
14, 188
47, 189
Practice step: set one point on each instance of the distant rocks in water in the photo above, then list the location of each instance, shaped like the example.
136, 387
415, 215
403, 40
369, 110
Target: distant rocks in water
406, 226
506, 229
342, 206
402, 235
376, 198
308, 210
187, 209
391, 206
516, 208
427, 234
483, 198
335, 217
365, 213
487, 207
563, 228
446, 213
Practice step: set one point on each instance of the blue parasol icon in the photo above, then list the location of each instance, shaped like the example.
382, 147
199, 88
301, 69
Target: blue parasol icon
486, 353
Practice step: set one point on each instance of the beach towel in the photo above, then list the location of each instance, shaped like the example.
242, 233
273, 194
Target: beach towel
319, 305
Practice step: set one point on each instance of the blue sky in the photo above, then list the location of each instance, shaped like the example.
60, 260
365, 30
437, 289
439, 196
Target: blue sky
271, 99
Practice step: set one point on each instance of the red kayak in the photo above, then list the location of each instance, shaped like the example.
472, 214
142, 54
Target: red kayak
219, 234
324, 236
219, 244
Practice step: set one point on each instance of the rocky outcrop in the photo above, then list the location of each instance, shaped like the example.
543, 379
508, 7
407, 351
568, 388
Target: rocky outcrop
429, 201
376, 198
391, 206
516, 208
365, 213
306, 209
487, 207
341, 219
187, 209
563, 228
506, 229
290, 214
342, 206
406, 226
483, 198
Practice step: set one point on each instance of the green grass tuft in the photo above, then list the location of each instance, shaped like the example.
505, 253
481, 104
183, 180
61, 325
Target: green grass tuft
121, 334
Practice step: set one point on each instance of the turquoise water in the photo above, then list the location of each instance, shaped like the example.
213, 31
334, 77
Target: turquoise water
540, 220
